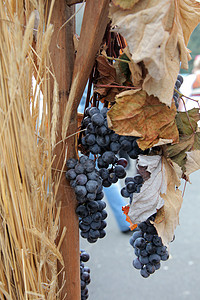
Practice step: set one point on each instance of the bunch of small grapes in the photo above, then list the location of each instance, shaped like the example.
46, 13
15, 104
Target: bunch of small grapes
133, 185
92, 217
111, 168
84, 178
99, 138
149, 248
84, 274
178, 84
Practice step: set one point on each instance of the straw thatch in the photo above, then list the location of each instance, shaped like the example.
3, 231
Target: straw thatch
29, 221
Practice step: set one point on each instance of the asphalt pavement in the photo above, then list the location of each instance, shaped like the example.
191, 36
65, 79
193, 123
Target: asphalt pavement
114, 278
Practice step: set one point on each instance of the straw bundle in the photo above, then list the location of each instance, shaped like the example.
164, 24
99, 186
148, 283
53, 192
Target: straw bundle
29, 221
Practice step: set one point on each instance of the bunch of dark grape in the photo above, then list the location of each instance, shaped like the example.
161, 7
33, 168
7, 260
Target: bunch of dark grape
99, 138
111, 168
149, 248
178, 84
92, 217
133, 185
87, 184
84, 178
84, 274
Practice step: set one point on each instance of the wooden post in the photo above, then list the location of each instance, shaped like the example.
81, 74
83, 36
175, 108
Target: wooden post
63, 62
94, 24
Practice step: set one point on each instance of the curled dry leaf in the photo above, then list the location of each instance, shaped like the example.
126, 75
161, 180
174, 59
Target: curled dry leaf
124, 4
137, 114
172, 204
192, 162
148, 201
157, 33
189, 138
144, 32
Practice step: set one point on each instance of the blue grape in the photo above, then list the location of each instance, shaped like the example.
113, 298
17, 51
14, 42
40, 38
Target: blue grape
97, 119
137, 264
140, 243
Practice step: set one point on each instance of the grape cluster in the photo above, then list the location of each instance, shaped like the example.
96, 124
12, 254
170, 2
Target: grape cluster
149, 248
84, 274
111, 168
87, 184
92, 217
178, 84
133, 185
99, 138
84, 178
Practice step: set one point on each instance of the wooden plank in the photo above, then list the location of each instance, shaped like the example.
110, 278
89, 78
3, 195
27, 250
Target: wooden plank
94, 23
63, 63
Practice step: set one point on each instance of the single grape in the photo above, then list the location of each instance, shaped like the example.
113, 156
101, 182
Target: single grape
71, 174
95, 149
99, 196
144, 259
102, 130
122, 162
85, 235
84, 256
89, 166
87, 220
81, 179
84, 227
150, 268
103, 224
131, 187
112, 178
103, 141
71, 163
154, 258
148, 236
120, 171
106, 183
138, 179
137, 264
82, 211
108, 157
140, 243
157, 240
104, 111
95, 225
97, 217
115, 147
150, 248
86, 121
79, 168
101, 205
91, 186
165, 256
144, 272
102, 233
97, 119
126, 145
80, 190
90, 128
92, 111
94, 234
104, 173
162, 250
92, 206
114, 137
125, 193
104, 214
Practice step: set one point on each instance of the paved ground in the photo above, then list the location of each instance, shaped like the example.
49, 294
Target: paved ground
113, 276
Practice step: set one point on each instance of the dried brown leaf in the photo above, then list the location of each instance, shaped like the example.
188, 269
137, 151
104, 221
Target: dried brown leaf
124, 4
173, 201
137, 114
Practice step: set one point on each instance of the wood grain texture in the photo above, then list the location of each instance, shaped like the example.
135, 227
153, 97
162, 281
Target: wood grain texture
62, 56
94, 23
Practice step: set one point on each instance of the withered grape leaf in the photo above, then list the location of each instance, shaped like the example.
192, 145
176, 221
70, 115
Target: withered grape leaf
192, 162
125, 4
137, 114
172, 204
187, 121
148, 201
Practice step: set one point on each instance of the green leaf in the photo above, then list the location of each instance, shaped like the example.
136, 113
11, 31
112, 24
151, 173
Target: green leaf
187, 121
